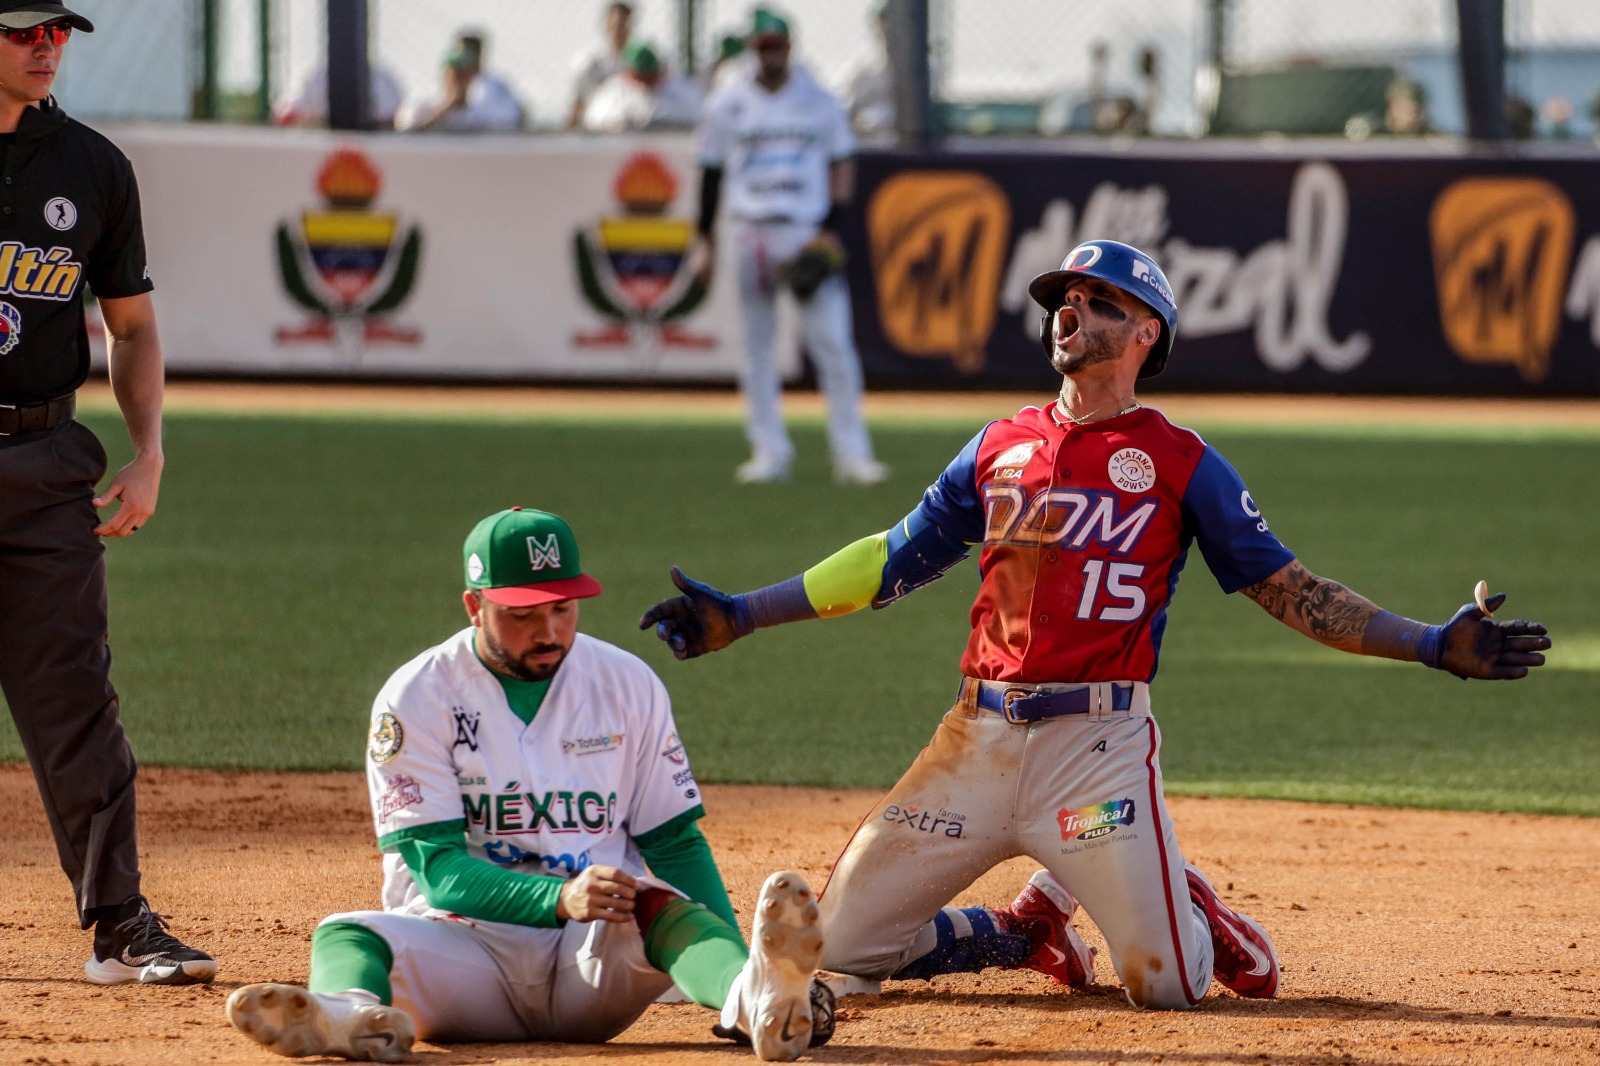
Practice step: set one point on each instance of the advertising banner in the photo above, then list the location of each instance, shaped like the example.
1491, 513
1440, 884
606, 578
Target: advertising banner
311, 254
1345, 269
1437, 272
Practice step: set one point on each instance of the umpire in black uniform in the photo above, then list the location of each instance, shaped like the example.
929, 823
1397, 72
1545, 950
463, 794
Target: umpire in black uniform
69, 218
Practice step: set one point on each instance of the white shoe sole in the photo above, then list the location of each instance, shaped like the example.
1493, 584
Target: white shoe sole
112, 972
785, 947
293, 1022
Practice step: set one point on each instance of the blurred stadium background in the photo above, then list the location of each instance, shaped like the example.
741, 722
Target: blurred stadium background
1174, 68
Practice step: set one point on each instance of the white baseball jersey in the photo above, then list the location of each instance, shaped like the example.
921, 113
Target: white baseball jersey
775, 149
599, 764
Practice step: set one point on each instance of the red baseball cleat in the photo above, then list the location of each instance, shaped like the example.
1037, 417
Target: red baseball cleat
1245, 961
1042, 912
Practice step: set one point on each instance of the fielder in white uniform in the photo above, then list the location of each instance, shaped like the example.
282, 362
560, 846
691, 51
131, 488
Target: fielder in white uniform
782, 146
526, 782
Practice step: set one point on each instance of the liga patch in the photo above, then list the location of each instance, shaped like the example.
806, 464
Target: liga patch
388, 737
1011, 461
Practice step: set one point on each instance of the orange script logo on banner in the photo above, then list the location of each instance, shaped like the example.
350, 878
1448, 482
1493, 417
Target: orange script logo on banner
938, 243
1501, 250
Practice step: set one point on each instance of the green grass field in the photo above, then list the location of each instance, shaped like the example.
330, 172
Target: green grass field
295, 562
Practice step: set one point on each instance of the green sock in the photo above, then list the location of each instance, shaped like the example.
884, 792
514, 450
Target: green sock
346, 955
702, 952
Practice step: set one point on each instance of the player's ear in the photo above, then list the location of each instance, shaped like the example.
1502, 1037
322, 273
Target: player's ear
1149, 331
472, 599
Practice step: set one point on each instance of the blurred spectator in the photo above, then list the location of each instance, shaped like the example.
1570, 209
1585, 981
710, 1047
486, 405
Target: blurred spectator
870, 95
642, 96
308, 106
1520, 118
727, 68
1555, 118
593, 69
469, 100
1405, 109
1405, 113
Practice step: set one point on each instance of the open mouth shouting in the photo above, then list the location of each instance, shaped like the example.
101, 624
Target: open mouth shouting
1067, 324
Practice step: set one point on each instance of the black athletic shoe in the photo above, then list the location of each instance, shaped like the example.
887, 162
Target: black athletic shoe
131, 943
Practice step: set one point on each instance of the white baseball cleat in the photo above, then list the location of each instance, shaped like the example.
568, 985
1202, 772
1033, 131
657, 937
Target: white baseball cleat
860, 472
762, 470
294, 1022
772, 998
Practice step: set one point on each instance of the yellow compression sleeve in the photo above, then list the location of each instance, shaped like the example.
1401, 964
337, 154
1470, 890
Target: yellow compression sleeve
848, 580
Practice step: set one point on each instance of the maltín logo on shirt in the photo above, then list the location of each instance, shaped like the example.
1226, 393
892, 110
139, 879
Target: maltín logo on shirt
1090, 823
591, 745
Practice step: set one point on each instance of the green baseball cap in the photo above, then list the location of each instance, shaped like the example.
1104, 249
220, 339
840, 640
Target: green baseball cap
522, 557
641, 59
765, 23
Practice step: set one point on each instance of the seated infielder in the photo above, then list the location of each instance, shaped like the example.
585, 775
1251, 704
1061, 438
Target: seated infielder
523, 776
1084, 512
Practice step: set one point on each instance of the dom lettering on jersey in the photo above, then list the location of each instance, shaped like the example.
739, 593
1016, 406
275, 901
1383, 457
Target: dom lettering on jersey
1071, 518
1091, 823
923, 820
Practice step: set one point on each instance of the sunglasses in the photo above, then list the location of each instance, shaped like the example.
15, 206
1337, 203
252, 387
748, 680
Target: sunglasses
57, 32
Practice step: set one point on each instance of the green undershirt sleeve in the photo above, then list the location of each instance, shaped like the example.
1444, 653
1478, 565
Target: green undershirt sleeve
451, 879
848, 580
678, 853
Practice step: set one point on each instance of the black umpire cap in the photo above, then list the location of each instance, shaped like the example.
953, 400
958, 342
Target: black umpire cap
25, 14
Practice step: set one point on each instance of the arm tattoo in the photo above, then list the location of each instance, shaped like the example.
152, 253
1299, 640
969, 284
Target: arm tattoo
1323, 610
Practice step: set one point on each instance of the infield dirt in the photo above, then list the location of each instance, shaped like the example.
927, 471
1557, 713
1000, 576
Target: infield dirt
1406, 936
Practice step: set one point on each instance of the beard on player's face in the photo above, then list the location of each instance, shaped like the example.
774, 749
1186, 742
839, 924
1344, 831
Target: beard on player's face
1097, 344
511, 664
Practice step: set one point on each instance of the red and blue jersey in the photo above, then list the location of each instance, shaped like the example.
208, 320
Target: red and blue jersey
1083, 532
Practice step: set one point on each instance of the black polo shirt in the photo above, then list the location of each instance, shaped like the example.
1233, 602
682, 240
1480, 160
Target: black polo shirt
69, 218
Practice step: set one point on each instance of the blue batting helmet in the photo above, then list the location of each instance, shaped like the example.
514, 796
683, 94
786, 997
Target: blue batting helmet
1130, 270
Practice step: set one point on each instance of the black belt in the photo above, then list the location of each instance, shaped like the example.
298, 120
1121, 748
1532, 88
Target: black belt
32, 417
1033, 703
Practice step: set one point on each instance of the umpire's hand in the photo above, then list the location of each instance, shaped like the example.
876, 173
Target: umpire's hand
1475, 646
701, 620
136, 485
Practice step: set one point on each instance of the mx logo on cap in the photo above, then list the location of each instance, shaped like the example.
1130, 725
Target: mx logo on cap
521, 557
1082, 257
547, 554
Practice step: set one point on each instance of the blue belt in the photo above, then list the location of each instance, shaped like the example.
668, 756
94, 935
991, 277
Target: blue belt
1034, 703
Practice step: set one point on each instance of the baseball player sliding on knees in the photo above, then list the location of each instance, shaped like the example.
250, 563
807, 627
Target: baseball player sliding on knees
1083, 513
523, 776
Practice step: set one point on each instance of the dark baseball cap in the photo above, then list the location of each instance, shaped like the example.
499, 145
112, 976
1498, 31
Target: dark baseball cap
521, 558
25, 14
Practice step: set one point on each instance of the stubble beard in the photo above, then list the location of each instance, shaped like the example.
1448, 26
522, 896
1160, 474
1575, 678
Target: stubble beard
511, 666
1101, 346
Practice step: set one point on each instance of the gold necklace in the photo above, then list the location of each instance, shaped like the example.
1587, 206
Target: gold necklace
1086, 419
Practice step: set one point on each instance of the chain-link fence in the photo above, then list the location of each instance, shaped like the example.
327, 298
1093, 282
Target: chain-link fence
1358, 68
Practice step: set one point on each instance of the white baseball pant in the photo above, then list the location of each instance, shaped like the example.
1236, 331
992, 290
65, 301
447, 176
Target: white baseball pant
760, 248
